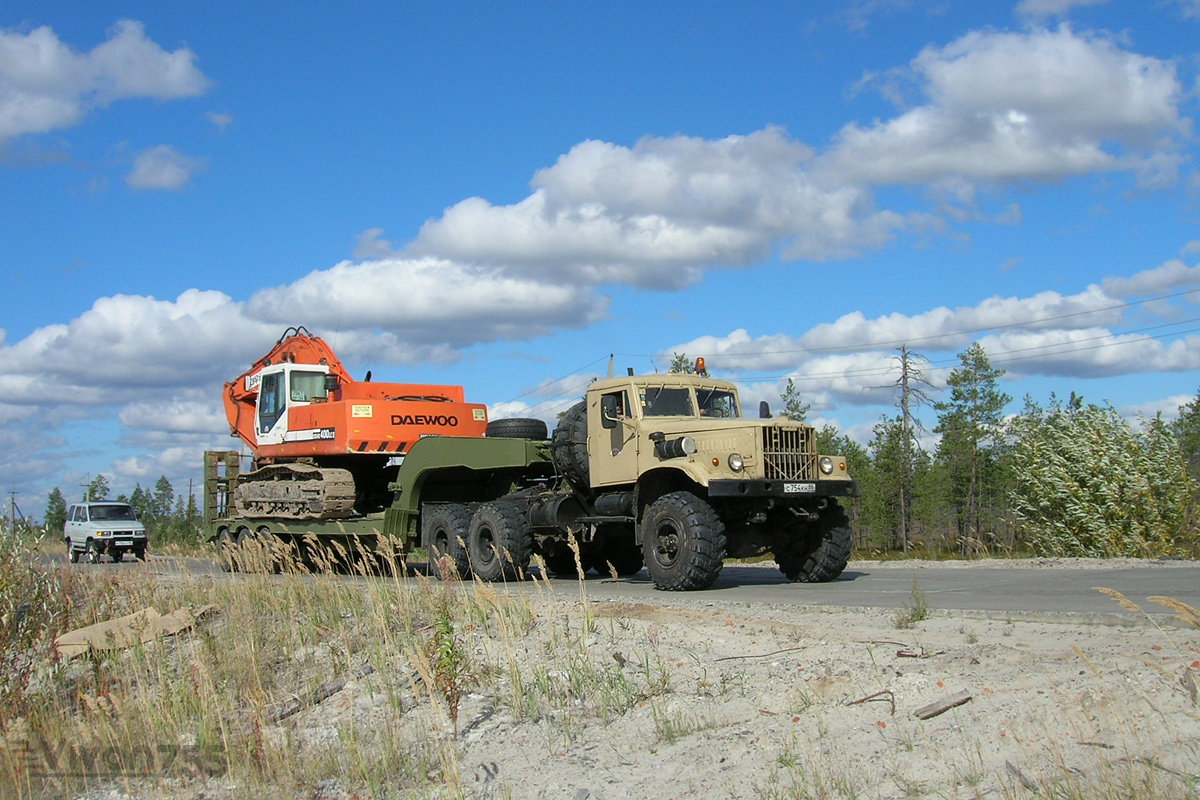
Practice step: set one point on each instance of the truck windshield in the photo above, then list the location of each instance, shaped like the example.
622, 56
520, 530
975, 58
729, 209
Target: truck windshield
307, 385
717, 403
111, 512
662, 401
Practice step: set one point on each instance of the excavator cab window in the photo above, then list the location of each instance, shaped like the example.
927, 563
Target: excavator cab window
307, 386
270, 401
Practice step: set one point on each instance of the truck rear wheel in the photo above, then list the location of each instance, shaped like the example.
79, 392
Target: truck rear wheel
824, 554
500, 543
446, 528
684, 542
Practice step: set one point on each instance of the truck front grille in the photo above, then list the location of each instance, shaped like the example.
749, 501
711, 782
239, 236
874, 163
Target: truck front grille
789, 454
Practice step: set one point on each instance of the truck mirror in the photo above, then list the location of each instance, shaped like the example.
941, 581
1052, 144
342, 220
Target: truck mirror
764, 410
608, 411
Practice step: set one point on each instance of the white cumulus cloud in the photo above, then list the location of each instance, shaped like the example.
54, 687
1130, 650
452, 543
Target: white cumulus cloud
1006, 107
162, 167
45, 85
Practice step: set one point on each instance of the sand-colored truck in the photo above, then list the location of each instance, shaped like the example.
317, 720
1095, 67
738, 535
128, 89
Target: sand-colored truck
661, 471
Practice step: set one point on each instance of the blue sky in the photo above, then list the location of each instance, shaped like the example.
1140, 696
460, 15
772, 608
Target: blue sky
501, 195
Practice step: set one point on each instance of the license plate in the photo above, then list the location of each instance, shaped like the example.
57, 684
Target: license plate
799, 488
122, 544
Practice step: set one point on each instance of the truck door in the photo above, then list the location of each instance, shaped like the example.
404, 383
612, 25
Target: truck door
614, 451
272, 407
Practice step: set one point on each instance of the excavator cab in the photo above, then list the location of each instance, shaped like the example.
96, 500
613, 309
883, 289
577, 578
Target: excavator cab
284, 386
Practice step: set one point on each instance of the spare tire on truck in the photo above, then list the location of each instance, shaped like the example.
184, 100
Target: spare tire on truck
568, 447
517, 428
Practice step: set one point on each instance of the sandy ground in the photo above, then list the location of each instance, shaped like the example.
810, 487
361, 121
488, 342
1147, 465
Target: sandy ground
738, 700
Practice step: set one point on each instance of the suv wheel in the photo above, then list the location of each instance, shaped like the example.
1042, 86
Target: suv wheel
683, 540
92, 553
72, 553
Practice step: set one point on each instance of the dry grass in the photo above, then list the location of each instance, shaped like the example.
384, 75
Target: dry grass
384, 686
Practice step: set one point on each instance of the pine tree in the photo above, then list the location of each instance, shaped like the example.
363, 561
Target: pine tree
97, 489
794, 407
163, 500
681, 364
970, 425
56, 511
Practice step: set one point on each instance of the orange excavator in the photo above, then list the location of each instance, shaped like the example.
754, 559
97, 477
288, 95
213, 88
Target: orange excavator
325, 445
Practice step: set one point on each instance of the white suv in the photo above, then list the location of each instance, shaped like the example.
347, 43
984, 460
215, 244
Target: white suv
96, 529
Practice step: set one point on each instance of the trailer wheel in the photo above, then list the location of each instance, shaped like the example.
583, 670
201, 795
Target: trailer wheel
683, 540
499, 543
569, 445
517, 428
821, 556
445, 529
225, 551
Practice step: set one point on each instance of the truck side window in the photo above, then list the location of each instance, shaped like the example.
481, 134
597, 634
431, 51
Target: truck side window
622, 403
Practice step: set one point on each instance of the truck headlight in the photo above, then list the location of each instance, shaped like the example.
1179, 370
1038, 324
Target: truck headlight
826, 465
735, 462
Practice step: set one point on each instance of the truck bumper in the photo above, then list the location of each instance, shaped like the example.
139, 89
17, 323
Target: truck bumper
787, 490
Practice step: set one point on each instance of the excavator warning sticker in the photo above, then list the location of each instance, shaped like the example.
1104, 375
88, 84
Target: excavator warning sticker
480, 414
362, 411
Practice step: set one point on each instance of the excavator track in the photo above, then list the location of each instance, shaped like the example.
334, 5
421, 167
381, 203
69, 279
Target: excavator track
296, 491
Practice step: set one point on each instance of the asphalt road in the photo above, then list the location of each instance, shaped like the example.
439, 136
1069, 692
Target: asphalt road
1039, 590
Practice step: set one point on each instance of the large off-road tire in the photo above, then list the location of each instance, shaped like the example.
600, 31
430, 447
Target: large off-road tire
568, 447
499, 543
225, 551
622, 552
821, 555
683, 540
517, 428
563, 565
446, 528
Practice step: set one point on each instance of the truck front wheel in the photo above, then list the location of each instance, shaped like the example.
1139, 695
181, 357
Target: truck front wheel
500, 543
683, 540
446, 528
822, 555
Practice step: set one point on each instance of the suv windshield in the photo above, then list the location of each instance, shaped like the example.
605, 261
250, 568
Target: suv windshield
112, 512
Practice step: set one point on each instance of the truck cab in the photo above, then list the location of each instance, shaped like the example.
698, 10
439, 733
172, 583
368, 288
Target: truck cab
694, 425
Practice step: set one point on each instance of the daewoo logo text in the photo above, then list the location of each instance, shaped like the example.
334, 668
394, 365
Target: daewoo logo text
425, 419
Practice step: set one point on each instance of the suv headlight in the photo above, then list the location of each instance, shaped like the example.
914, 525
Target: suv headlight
735, 462
827, 465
